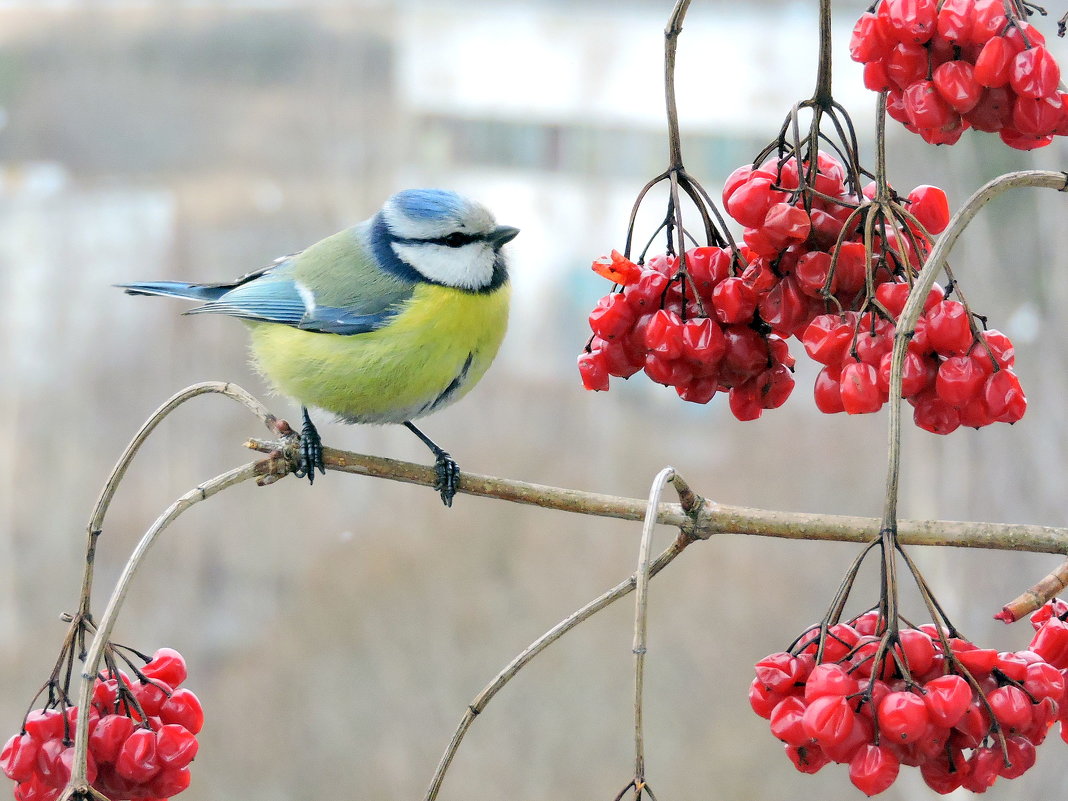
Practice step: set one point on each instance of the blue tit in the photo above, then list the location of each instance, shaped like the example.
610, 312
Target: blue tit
384, 322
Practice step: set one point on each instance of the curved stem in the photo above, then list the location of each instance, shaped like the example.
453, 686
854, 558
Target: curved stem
548, 638
906, 323
103, 502
641, 607
78, 779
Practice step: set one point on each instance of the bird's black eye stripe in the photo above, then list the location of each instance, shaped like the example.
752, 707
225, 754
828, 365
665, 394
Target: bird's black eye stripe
457, 239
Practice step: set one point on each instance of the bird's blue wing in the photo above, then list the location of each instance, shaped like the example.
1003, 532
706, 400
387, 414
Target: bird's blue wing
276, 297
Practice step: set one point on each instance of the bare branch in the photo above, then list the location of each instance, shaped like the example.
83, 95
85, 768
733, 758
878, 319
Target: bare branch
707, 517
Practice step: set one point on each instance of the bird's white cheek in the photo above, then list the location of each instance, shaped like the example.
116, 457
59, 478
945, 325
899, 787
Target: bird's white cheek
467, 267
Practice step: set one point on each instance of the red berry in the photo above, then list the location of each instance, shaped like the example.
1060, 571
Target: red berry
807, 758
645, 294
811, 272
734, 301
868, 42
108, 736
703, 341
663, 335
1004, 397
993, 111
1021, 758
906, 64
933, 414
786, 224
1037, 117
948, 328
176, 746
1034, 73
698, 390
911, 20
902, 716
48, 768
945, 773
947, 698
786, 723
875, 76
828, 720
151, 696
827, 391
930, 206
169, 782
989, 20
612, 317
960, 379
44, 724
136, 759
849, 270
828, 679
775, 386
860, 391
707, 266
745, 402
916, 374
18, 759
918, 650
994, 64
874, 769
956, 20
747, 353
983, 767
1011, 708
926, 108
763, 700
827, 339
183, 707
593, 368
749, 202
1020, 141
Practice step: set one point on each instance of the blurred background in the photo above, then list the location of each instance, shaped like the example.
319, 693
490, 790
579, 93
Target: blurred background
336, 633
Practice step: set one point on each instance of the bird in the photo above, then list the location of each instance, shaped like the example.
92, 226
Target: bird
384, 322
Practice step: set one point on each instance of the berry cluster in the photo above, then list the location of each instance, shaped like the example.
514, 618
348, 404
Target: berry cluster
951, 376
720, 323
957, 64
963, 717
142, 737
697, 331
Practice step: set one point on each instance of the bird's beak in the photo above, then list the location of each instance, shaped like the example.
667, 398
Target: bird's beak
502, 234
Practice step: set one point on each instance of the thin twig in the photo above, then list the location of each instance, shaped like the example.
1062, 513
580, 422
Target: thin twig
641, 607
78, 781
621, 590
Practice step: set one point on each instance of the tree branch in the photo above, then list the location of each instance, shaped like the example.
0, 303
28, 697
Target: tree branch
707, 518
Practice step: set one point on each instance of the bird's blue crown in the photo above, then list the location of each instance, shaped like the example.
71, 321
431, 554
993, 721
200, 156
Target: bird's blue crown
428, 204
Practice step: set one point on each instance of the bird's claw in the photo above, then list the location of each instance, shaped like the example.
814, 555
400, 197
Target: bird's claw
448, 477
311, 451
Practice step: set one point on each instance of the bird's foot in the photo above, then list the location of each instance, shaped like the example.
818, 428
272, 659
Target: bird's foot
448, 476
311, 450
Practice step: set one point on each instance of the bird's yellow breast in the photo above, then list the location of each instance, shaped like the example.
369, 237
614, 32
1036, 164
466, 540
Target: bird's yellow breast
429, 355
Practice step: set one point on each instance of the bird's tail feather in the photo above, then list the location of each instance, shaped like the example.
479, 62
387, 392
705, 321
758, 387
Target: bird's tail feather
175, 289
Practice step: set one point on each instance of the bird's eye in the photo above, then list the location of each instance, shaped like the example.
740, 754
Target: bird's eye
456, 239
